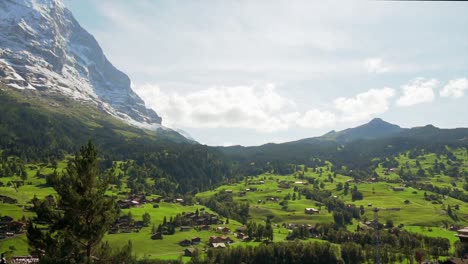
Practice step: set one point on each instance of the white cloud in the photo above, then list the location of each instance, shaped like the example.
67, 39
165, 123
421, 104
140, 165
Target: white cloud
316, 119
455, 88
376, 65
260, 108
419, 90
364, 105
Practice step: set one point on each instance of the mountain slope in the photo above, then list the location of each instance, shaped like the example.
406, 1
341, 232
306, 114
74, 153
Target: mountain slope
43, 48
37, 127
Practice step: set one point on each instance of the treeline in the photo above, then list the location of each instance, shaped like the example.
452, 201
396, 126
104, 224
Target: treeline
276, 253
395, 245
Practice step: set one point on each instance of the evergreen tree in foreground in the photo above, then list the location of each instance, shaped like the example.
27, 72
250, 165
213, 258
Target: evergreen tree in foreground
84, 216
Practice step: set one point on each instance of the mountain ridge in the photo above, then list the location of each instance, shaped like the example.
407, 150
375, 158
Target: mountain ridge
44, 48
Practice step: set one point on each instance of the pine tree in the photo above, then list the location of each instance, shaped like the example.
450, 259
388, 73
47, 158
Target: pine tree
86, 212
146, 219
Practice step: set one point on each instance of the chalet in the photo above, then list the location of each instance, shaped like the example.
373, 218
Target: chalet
220, 239
139, 198
189, 252
218, 245
242, 193
196, 240
179, 200
311, 211
398, 189
241, 229
462, 234
157, 235
185, 228
261, 182
16, 227
205, 227
229, 191
185, 243
278, 191
124, 204
157, 200
222, 229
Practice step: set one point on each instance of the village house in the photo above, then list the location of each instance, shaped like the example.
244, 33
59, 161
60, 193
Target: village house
222, 229
462, 234
398, 189
241, 229
189, 252
185, 228
185, 243
196, 240
220, 239
205, 227
311, 211
157, 235
218, 245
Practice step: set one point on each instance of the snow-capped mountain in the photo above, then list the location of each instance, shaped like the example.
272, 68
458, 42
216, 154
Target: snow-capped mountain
43, 48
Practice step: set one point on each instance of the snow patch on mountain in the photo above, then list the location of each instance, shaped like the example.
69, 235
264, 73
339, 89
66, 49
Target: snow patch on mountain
43, 47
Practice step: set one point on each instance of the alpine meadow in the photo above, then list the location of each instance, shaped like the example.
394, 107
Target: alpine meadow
233, 132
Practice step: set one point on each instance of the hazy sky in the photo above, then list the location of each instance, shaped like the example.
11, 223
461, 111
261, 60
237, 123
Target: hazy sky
252, 72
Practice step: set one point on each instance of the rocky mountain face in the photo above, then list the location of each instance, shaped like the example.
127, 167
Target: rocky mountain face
45, 50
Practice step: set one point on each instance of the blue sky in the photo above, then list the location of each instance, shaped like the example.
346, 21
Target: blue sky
252, 72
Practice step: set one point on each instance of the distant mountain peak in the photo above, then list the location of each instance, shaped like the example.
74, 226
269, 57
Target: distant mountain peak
377, 120
376, 128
